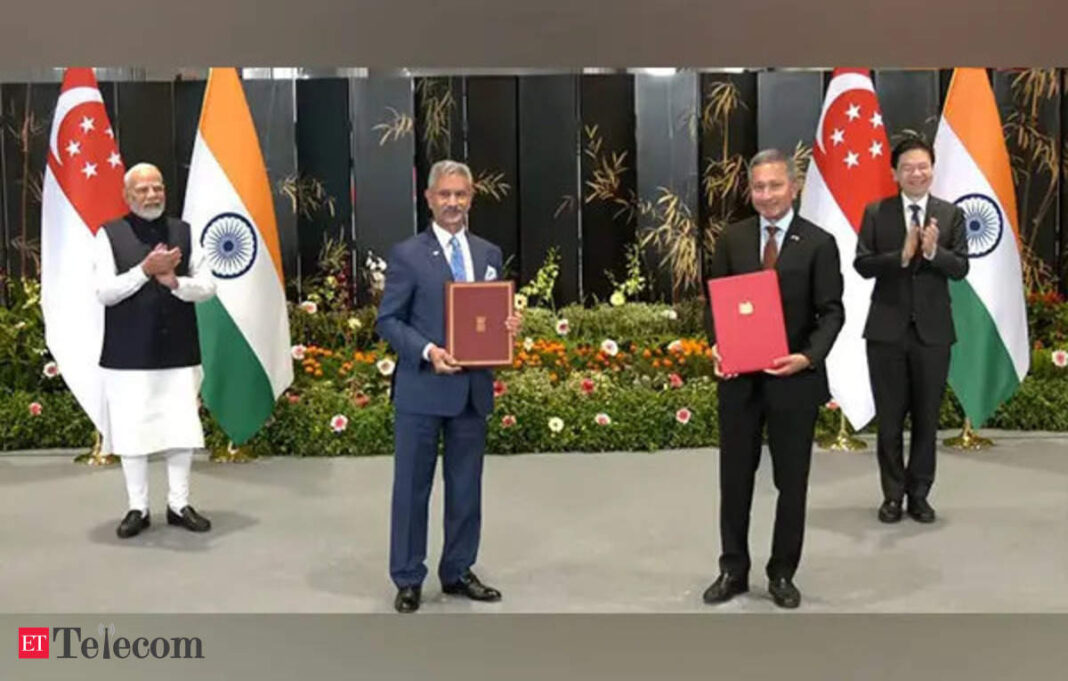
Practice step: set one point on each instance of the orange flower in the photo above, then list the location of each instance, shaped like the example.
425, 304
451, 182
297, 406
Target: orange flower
646, 353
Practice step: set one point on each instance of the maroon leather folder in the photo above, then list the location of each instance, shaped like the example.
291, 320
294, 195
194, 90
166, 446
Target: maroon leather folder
475, 313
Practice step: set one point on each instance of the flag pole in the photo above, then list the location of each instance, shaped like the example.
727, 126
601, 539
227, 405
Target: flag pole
96, 456
842, 441
968, 439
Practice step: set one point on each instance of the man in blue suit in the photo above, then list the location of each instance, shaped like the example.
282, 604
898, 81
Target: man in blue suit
433, 397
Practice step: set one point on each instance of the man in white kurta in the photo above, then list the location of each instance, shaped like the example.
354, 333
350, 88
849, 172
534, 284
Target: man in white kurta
151, 375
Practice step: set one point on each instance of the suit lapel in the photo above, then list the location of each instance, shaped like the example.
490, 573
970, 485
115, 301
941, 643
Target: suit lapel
792, 236
752, 260
435, 254
478, 257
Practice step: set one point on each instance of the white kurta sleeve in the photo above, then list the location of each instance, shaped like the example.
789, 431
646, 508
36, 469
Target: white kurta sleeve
112, 287
200, 284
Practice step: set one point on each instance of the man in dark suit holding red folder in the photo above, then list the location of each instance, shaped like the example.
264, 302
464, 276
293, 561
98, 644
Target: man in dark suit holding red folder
433, 396
786, 397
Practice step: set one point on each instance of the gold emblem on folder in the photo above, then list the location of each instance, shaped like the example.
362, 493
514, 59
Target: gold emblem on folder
480, 324
745, 308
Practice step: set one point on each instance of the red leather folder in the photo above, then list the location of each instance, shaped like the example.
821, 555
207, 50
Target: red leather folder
747, 314
475, 312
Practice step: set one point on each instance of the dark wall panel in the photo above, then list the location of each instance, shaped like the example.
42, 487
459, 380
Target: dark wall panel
492, 153
439, 131
910, 101
323, 159
608, 176
188, 99
789, 104
145, 130
548, 177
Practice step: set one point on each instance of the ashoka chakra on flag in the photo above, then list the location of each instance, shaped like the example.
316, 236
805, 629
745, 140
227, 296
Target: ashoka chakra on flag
229, 242
983, 223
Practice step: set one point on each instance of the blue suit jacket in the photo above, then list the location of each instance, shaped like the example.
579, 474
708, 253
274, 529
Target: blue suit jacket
412, 314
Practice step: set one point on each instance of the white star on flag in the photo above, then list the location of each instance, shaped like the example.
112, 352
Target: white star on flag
89, 170
87, 124
876, 119
108, 132
854, 112
838, 136
114, 160
74, 148
852, 160
876, 149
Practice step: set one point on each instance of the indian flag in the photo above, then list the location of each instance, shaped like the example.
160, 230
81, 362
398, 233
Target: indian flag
991, 356
244, 331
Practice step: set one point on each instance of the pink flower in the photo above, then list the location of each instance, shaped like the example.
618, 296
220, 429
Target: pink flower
588, 386
603, 419
339, 422
499, 388
508, 420
309, 306
610, 347
36, 408
832, 405
293, 399
361, 400
675, 380
1060, 358
51, 370
297, 352
683, 416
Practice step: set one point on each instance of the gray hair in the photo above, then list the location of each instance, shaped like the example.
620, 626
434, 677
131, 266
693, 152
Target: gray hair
138, 168
766, 156
447, 167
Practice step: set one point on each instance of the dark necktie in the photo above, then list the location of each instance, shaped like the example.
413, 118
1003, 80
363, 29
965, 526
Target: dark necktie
771, 248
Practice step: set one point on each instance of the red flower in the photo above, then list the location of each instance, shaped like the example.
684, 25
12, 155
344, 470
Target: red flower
361, 400
507, 421
499, 388
588, 386
683, 416
36, 408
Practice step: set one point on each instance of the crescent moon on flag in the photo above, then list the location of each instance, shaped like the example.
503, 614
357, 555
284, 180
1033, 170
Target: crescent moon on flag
66, 102
838, 86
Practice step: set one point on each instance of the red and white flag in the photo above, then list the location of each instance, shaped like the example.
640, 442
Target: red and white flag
83, 185
850, 168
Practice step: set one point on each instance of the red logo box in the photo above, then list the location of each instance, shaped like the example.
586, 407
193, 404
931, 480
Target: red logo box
33, 643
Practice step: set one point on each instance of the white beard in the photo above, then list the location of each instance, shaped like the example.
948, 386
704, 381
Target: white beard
147, 213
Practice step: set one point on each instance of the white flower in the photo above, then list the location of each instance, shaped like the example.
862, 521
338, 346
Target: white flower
602, 419
520, 302
339, 422
562, 327
331, 281
528, 343
355, 323
309, 306
556, 424
378, 281
20, 325
675, 346
1060, 358
51, 370
670, 314
609, 347
385, 366
297, 352
683, 416
617, 299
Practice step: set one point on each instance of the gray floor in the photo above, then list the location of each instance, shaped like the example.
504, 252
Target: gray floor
618, 532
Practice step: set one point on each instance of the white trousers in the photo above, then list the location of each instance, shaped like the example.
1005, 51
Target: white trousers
135, 470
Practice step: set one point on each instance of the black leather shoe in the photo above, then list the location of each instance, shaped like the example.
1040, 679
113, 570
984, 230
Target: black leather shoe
469, 587
784, 593
920, 511
189, 519
407, 599
726, 587
132, 524
890, 511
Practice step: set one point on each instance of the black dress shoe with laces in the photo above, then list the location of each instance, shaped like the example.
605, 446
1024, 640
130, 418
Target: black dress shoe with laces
408, 598
784, 593
890, 511
132, 524
920, 511
726, 587
189, 519
469, 587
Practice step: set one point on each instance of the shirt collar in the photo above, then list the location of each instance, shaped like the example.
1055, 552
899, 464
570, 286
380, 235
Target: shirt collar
444, 236
921, 202
783, 223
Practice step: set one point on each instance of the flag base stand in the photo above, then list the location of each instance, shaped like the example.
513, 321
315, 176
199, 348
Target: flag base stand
842, 441
968, 439
96, 456
231, 453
